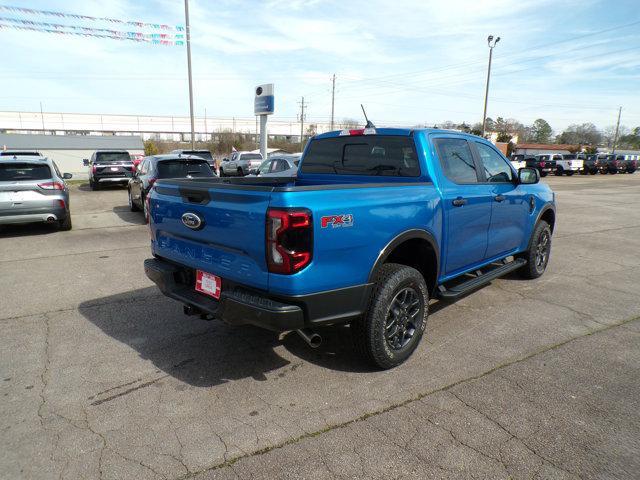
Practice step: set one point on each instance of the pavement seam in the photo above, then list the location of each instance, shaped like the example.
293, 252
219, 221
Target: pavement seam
70, 309
408, 401
90, 252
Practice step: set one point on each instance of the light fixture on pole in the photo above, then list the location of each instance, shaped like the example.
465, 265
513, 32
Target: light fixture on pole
492, 43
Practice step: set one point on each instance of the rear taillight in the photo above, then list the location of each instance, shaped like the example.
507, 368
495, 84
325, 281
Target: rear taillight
289, 240
615, 163
61, 204
358, 131
94, 169
51, 186
152, 181
542, 164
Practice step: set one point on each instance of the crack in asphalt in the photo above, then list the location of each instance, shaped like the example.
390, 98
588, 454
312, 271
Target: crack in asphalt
446, 388
511, 435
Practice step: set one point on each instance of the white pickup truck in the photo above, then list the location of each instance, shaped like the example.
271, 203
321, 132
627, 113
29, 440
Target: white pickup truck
569, 163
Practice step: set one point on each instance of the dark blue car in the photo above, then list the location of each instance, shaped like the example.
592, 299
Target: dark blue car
376, 223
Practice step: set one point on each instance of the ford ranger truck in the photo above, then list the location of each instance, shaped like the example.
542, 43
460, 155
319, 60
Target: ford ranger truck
377, 222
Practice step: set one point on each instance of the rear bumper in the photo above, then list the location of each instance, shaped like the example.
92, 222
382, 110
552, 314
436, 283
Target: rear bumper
112, 179
239, 305
36, 215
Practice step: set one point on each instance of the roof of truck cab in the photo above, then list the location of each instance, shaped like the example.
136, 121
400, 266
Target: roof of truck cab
405, 132
24, 158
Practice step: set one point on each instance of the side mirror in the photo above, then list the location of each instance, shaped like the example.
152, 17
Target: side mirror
528, 176
85, 162
67, 176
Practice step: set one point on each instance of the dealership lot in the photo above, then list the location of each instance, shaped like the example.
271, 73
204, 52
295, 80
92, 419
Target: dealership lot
103, 377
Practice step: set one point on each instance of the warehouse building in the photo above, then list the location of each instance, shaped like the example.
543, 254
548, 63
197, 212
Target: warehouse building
68, 151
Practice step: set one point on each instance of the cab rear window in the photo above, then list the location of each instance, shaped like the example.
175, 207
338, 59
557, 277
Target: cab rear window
24, 171
384, 155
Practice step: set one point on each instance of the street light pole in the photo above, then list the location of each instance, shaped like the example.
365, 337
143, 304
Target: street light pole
615, 140
491, 44
188, 29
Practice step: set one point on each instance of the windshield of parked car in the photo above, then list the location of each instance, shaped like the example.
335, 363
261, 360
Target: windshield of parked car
184, 168
109, 157
250, 156
24, 171
385, 155
264, 166
204, 154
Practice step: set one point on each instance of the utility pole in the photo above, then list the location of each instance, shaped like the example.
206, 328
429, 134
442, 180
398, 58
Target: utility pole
333, 98
615, 140
188, 29
486, 92
42, 117
302, 124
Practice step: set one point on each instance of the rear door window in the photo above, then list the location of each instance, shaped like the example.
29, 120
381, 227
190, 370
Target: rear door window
15, 171
378, 155
456, 160
183, 168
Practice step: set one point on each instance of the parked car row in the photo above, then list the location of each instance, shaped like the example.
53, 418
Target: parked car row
571, 163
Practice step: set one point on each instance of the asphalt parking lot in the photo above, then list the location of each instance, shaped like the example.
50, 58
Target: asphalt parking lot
102, 377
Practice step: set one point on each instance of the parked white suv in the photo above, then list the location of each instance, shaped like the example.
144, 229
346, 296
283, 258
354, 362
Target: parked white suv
240, 164
569, 163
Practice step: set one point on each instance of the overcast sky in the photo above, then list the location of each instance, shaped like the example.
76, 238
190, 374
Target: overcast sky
409, 62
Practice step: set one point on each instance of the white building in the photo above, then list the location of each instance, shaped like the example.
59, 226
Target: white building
68, 151
166, 127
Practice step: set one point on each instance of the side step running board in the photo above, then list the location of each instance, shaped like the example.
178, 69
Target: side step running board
472, 284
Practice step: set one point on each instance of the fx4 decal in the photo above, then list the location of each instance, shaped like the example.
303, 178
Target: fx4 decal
336, 221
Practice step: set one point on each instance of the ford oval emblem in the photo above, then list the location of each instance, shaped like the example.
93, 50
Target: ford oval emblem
192, 221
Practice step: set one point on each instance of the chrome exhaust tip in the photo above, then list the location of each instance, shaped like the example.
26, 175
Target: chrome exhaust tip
312, 338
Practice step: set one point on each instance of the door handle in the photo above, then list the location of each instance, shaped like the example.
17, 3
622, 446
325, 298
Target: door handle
499, 198
458, 202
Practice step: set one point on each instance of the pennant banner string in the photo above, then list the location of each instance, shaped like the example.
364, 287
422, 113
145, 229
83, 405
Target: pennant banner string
115, 33
50, 13
152, 41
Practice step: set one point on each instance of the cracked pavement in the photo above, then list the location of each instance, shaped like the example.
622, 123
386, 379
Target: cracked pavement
102, 377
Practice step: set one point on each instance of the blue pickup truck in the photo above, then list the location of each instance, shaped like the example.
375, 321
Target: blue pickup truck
377, 222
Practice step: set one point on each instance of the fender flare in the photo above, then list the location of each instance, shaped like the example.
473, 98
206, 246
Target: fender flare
401, 238
543, 210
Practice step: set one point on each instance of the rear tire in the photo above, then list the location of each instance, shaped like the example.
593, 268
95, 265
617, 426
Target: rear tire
537, 256
240, 174
570, 173
559, 171
543, 174
132, 206
391, 328
65, 225
94, 185
144, 208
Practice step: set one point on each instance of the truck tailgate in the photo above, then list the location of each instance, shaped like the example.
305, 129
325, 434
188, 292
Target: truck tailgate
229, 243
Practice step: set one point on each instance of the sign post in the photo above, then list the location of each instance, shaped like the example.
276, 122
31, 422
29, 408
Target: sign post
263, 105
